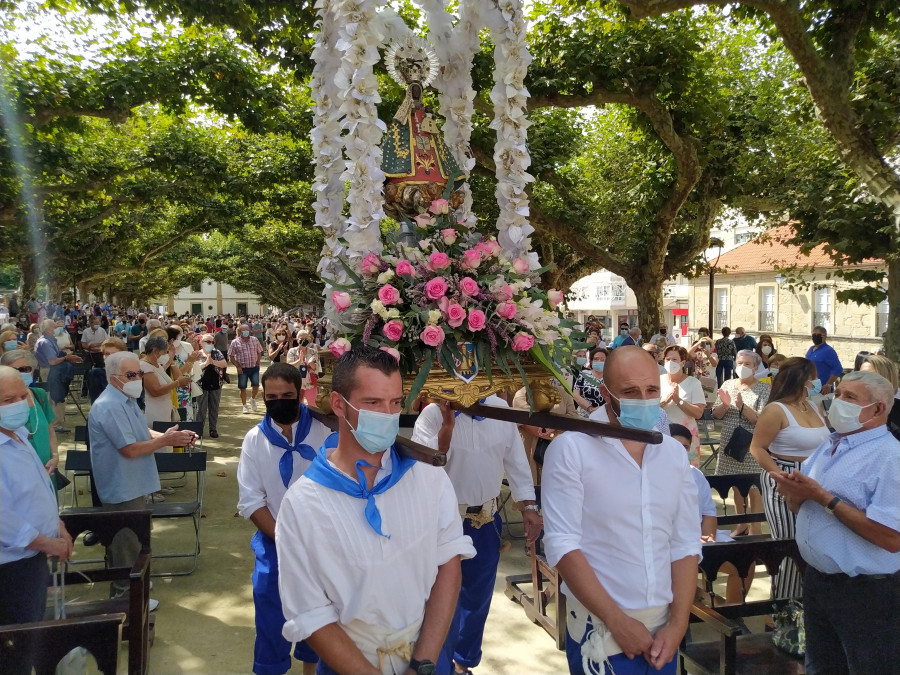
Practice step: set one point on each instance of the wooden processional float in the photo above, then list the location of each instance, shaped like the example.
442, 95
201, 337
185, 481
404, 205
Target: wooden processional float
405, 268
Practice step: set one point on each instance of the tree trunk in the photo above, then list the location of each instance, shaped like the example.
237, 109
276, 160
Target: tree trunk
29, 279
650, 304
892, 339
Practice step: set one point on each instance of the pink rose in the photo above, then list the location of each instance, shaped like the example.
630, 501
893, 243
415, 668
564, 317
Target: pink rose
476, 319
488, 247
393, 352
449, 236
503, 292
341, 301
507, 310
438, 261
371, 264
432, 336
405, 267
520, 265
339, 347
393, 330
522, 342
471, 259
468, 286
388, 295
555, 297
455, 315
424, 220
435, 288
439, 206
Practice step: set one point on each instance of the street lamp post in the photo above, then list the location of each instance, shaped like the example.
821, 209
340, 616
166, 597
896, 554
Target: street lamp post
712, 278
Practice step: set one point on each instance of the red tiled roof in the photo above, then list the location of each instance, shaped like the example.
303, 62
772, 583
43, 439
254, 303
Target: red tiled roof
769, 252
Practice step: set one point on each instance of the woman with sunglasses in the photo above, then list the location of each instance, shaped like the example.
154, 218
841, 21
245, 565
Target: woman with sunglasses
40, 411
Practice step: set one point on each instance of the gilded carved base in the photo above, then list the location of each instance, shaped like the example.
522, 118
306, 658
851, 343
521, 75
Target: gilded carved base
443, 385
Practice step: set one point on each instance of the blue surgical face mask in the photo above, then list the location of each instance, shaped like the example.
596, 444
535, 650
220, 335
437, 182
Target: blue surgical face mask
623, 332
375, 431
598, 366
581, 360
773, 371
27, 378
9, 345
638, 413
14, 415
816, 387
58, 332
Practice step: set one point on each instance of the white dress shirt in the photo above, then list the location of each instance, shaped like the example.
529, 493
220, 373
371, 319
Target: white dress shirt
631, 522
479, 453
335, 568
258, 477
93, 336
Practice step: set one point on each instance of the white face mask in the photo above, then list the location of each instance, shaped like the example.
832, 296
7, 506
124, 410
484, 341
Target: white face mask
673, 367
132, 388
162, 360
844, 416
766, 349
743, 372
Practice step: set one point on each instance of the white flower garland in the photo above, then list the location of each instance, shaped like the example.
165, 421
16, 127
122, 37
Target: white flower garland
358, 42
509, 96
327, 145
456, 48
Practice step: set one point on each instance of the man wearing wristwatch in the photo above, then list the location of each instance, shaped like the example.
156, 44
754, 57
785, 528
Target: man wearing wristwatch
847, 499
479, 450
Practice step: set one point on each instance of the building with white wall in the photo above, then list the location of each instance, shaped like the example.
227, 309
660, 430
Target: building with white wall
209, 297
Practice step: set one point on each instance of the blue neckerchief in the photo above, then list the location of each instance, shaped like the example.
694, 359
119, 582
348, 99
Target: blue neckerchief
286, 463
477, 418
323, 473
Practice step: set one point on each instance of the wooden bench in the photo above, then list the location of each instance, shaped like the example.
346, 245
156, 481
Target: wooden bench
733, 653
743, 482
139, 624
44, 644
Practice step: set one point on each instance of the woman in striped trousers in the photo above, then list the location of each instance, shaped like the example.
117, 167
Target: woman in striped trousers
789, 429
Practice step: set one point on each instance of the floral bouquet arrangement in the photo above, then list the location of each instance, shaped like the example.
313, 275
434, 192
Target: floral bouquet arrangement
456, 298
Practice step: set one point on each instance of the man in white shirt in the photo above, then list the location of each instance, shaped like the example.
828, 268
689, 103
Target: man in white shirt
91, 339
479, 450
275, 453
369, 542
622, 529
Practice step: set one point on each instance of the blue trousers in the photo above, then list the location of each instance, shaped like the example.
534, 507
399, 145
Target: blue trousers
271, 652
621, 664
463, 643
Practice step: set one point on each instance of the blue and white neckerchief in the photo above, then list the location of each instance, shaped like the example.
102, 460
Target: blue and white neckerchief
274, 436
477, 418
322, 472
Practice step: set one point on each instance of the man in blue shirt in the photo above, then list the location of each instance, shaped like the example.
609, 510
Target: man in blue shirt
122, 447
847, 499
742, 340
828, 365
621, 337
30, 528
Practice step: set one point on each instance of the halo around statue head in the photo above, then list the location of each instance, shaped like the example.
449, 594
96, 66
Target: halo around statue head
412, 60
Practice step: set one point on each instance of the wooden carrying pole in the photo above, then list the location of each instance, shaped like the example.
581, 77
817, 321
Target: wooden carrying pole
423, 453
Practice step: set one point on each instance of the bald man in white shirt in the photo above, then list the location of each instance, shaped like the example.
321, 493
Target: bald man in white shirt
479, 451
622, 529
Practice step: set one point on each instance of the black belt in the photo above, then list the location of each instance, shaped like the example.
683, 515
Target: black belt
840, 576
474, 509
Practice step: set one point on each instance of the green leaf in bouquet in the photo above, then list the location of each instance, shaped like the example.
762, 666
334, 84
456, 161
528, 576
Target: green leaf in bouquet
353, 275
539, 352
419, 382
502, 360
338, 286
483, 352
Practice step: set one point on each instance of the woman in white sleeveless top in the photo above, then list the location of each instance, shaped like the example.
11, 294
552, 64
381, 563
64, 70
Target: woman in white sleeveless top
789, 429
